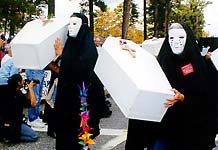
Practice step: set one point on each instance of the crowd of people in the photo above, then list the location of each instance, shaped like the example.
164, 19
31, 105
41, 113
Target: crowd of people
76, 101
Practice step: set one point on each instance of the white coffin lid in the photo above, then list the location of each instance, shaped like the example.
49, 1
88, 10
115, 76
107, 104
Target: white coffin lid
133, 82
36, 31
33, 46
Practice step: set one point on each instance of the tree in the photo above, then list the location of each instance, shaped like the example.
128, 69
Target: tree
145, 20
85, 3
186, 11
91, 15
158, 13
126, 15
15, 13
109, 23
190, 13
51, 8
134, 14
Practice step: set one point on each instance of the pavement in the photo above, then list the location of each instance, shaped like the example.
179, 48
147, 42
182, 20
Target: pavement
112, 136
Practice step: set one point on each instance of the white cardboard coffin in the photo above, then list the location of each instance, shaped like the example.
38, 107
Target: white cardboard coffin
153, 45
33, 46
214, 58
138, 85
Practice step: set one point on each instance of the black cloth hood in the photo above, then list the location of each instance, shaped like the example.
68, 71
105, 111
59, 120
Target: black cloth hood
79, 53
83, 31
191, 48
82, 16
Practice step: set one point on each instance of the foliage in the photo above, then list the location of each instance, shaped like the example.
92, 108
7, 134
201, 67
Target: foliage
134, 14
156, 17
162, 13
15, 13
135, 35
109, 23
88, 8
190, 13
99, 3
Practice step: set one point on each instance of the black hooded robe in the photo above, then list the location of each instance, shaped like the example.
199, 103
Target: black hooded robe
188, 124
77, 66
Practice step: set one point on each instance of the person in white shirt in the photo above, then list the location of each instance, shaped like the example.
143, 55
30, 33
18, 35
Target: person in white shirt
8, 54
7, 68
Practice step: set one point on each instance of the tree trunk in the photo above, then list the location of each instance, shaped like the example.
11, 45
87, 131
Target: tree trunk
91, 20
145, 21
12, 29
51, 8
126, 16
155, 20
5, 26
167, 11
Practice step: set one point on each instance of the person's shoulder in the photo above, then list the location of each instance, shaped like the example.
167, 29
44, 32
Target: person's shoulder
5, 58
7, 64
5, 91
9, 61
3, 88
21, 96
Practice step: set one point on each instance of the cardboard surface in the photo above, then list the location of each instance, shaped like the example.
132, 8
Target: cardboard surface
33, 46
138, 85
153, 45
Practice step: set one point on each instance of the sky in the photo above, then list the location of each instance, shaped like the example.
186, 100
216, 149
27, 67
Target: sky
114, 3
210, 12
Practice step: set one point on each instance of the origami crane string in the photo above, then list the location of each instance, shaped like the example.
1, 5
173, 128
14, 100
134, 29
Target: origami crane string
126, 47
84, 134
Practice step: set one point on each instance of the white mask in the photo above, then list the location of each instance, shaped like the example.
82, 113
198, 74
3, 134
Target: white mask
74, 26
177, 40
